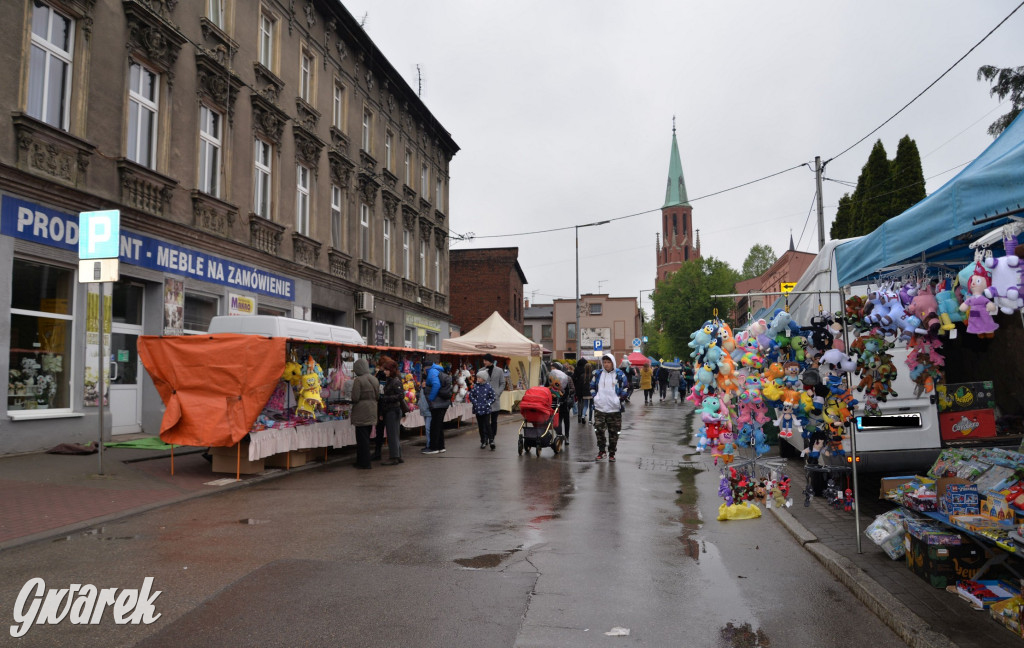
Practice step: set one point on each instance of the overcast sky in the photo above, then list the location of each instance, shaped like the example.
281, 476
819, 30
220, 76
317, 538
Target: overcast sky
563, 111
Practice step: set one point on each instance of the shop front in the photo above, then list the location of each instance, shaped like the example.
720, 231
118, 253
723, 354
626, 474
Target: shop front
422, 332
51, 333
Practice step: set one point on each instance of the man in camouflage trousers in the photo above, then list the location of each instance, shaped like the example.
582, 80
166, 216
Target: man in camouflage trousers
608, 387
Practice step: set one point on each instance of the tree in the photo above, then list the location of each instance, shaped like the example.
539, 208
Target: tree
842, 226
759, 259
907, 177
872, 200
1006, 82
683, 302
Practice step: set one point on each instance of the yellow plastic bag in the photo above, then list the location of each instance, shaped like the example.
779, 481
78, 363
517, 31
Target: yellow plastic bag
743, 511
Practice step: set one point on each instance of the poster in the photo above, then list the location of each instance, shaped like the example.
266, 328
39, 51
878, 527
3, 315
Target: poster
174, 306
92, 345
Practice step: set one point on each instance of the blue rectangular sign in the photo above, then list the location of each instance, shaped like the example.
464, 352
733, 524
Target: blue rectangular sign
32, 222
99, 233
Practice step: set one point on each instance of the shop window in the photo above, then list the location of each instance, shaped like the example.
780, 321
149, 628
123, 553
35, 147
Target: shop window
431, 341
41, 335
276, 312
126, 307
199, 310
50, 56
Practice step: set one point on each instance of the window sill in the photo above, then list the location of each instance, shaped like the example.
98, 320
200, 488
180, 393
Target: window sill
31, 415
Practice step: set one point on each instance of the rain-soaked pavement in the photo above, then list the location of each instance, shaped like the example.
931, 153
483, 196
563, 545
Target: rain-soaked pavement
468, 548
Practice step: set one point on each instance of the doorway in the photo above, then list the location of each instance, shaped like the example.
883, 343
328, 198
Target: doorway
125, 366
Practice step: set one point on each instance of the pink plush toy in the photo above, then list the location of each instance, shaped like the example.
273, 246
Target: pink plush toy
925, 307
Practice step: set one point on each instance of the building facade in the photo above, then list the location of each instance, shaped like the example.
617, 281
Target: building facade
538, 324
615, 321
787, 269
265, 157
676, 244
485, 280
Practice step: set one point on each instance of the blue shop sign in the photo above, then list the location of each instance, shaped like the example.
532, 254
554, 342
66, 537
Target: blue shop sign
32, 222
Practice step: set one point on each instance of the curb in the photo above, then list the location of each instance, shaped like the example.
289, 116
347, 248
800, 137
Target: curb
905, 623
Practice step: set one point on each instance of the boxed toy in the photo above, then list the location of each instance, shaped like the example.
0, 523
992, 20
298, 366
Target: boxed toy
959, 499
982, 594
931, 533
997, 507
957, 397
943, 565
1010, 613
967, 424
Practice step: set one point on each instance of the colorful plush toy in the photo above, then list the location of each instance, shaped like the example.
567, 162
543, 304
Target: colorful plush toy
949, 310
925, 307
1004, 287
292, 373
788, 422
979, 307
309, 396
409, 385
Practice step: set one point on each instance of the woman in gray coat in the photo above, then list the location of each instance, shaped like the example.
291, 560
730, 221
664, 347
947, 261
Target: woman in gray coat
365, 392
496, 379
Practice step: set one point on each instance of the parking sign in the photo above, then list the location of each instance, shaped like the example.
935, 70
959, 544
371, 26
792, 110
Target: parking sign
99, 234
598, 345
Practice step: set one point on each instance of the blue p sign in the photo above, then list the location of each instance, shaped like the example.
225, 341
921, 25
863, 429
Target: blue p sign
99, 234
598, 345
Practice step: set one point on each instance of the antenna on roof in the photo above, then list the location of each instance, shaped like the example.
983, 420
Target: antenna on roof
362, 21
419, 81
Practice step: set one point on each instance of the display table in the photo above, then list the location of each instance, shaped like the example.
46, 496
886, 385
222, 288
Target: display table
460, 411
315, 435
510, 399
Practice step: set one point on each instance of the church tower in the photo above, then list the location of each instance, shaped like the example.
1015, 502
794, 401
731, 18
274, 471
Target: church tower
676, 244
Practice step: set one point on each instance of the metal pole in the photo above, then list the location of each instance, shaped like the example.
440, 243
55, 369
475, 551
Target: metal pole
818, 170
578, 294
102, 360
853, 452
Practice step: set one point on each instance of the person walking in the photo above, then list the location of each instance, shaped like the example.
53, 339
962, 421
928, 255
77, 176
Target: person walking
673, 384
647, 383
482, 396
378, 432
424, 404
439, 382
608, 388
662, 384
392, 400
499, 383
582, 375
632, 380
365, 393
565, 392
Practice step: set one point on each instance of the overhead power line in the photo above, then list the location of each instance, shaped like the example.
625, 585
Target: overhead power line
918, 96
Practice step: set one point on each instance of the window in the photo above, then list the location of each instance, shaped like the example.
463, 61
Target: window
570, 331
410, 337
367, 126
42, 316
408, 168
267, 41
143, 97
545, 331
423, 263
528, 330
302, 200
209, 151
389, 333
336, 217
406, 235
364, 232
388, 137
306, 77
366, 329
267, 310
387, 244
437, 194
338, 114
431, 343
261, 180
437, 271
595, 309
425, 181
49, 76
215, 12
199, 310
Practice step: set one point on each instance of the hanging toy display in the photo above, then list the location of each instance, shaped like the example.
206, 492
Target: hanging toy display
978, 307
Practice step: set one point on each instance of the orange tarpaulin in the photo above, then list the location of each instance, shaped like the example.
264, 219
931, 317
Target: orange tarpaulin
213, 386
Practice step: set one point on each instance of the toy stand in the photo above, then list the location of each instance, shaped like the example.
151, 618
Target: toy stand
756, 464
829, 470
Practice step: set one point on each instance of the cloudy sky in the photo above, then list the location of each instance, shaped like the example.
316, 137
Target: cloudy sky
563, 110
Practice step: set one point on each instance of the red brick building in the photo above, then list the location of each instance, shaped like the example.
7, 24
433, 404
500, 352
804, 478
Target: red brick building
676, 244
482, 281
789, 268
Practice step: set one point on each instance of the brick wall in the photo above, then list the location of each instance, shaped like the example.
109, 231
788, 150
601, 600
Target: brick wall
483, 281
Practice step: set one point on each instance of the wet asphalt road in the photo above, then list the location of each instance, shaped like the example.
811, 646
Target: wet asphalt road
469, 548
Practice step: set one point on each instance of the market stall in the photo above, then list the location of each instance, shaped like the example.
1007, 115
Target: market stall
496, 336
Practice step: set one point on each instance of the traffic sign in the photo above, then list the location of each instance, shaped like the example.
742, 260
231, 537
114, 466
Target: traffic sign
636, 342
98, 270
645, 339
787, 287
99, 234
598, 345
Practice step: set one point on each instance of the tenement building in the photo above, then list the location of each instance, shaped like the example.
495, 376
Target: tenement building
265, 158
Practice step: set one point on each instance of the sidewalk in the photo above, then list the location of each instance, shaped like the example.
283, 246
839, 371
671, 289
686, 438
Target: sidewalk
48, 495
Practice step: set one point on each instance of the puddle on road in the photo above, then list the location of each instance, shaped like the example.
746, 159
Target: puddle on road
485, 561
744, 636
252, 521
687, 499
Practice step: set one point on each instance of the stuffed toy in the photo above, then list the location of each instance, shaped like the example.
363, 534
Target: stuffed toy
1004, 286
725, 490
816, 447
907, 293
309, 396
726, 440
409, 385
313, 367
791, 375
761, 442
925, 307
949, 310
838, 362
700, 339
876, 311
711, 414
979, 308
292, 373
462, 385
853, 311
788, 423
820, 333
705, 379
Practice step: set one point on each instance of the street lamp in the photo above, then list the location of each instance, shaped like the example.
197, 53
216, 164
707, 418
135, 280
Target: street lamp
579, 351
642, 313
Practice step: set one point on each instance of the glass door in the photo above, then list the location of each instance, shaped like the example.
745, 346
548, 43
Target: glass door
125, 366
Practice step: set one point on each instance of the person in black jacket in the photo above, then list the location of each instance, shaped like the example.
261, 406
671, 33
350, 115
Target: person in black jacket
380, 427
392, 401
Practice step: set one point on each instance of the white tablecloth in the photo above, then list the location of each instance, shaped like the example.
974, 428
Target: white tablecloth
455, 411
510, 398
316, 435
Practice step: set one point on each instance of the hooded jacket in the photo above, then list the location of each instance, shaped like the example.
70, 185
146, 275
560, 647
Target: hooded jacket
615, 386
365, 392
434, 386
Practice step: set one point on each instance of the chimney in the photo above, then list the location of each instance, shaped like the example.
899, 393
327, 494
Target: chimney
527, 303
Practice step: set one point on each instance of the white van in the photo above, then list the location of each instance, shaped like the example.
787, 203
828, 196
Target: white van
286, 327
907, 436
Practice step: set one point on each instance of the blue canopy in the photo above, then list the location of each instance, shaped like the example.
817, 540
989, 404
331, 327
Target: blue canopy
672, 365
654, 363
992, 184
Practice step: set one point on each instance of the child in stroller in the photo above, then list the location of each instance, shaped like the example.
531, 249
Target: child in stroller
539, 429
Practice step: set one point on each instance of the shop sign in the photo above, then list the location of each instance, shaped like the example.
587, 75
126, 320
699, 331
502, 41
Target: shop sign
411, 319
241, 305
31, 222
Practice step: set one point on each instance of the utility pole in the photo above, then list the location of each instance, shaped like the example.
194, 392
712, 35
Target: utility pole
818, 170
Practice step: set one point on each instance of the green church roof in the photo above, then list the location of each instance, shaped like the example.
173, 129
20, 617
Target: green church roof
675, 194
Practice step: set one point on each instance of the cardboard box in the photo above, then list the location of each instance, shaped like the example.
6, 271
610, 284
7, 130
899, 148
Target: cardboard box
982, 594
944, 565
890, 483
958, 397
1009, 613
967, 424
225, 460
996, 507
292, 459
960, 499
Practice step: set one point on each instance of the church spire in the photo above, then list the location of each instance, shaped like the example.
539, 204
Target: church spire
675, 193
791, 246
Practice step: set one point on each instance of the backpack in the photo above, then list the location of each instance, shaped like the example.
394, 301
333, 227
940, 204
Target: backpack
445, 392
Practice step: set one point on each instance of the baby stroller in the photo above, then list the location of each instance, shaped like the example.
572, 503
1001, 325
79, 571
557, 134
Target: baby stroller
540, 421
